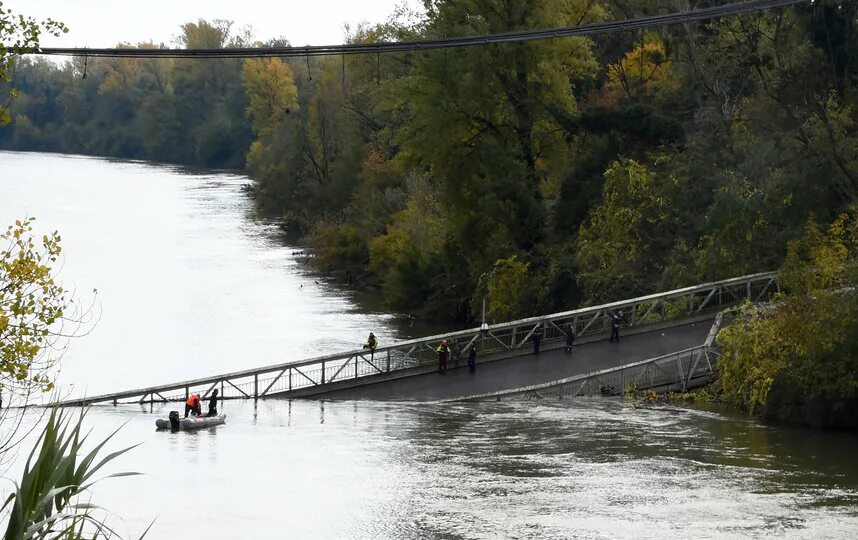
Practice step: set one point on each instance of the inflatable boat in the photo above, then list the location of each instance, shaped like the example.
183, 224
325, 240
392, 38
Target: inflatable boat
189, 424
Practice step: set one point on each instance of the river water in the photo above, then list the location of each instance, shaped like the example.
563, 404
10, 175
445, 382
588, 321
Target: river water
191, 284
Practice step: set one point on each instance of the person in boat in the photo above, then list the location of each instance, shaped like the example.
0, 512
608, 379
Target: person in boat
194, 405
371, 344
443, 351
213, 404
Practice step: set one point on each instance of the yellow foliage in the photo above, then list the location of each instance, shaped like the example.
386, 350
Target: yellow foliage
32, 304
645, 71
121, 75
270, 85
505, 285
807, 336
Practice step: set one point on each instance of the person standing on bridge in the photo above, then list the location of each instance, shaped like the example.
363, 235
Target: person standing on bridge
456, 349
472, 358
536, 337
443, 351
617, 320
371, 344
570, 338
193, 405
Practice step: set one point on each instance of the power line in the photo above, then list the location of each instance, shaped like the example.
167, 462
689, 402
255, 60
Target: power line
653, 21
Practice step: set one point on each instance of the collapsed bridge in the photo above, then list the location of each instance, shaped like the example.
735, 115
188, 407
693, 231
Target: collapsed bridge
673, 328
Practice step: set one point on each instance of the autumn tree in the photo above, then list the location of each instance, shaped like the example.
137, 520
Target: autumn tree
37, 314
797, 360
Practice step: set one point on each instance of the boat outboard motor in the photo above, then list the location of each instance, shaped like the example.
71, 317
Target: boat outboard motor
174, 420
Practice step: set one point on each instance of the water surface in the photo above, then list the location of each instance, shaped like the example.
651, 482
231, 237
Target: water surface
189, 283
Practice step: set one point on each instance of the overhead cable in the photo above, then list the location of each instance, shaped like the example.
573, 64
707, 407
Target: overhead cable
653, 21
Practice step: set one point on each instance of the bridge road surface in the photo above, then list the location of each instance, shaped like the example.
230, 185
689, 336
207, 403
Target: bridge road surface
516, 372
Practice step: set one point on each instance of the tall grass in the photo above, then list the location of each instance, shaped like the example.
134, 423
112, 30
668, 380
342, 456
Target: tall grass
48, 503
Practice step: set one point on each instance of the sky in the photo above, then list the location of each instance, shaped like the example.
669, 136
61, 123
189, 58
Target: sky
104, 23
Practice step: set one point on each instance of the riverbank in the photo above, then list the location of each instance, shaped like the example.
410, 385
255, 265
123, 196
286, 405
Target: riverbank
786, 405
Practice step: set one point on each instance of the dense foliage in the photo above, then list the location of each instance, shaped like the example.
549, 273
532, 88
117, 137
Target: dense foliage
178, 111
797, 360
536, 175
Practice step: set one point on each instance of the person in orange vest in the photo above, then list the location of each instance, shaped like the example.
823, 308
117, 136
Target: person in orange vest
194, 405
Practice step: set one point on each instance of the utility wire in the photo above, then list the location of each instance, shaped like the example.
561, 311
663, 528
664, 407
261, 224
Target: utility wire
628, 25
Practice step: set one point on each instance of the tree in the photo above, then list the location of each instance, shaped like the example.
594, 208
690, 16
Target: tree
797, 360
273, 109
19, 34
37, 317
270, 86
643, 73
619, 249
506, 287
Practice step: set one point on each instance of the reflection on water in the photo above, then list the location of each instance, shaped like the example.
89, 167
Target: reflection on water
589, 468
190, 284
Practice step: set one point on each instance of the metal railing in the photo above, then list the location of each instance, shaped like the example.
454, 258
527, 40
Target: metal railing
499, 339
677, 371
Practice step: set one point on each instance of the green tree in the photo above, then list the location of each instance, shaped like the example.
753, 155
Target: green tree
620, 249
19, 34
506, 286
798, 360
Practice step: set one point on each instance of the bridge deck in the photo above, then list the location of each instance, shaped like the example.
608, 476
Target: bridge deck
549, 365
339, 374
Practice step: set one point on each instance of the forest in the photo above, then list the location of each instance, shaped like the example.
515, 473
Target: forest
539, 176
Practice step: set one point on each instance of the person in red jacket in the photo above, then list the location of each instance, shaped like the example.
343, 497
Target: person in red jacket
194, 405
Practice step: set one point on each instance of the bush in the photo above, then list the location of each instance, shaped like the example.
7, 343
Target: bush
797, 361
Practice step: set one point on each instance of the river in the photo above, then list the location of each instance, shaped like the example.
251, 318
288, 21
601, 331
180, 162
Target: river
190, 284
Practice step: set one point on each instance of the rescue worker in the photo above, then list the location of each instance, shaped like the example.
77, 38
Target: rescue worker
371, 344
443, 355
194, 405
537, 339
570, 338
616, 321
456, 348
472, 358
213, 404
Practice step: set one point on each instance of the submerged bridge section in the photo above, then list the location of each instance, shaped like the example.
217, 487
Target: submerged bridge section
656, 325
677, 371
